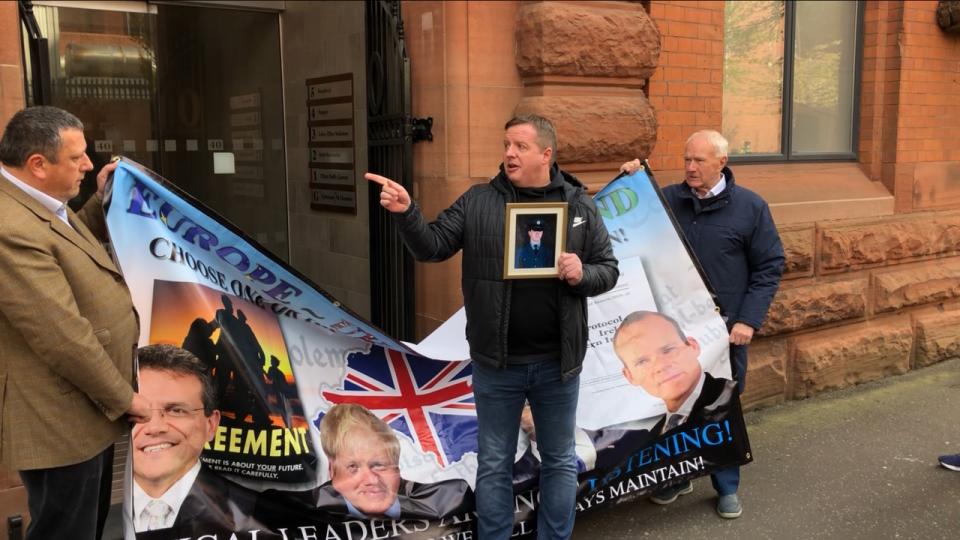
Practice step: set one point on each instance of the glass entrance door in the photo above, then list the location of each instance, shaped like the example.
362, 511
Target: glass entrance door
190, 91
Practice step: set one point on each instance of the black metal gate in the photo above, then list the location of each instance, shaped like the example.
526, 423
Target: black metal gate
390, 153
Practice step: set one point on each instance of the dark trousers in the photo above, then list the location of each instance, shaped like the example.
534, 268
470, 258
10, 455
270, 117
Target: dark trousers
727, 481
71, 501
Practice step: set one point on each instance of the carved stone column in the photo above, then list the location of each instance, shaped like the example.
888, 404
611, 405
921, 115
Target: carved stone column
948, 15
585, 66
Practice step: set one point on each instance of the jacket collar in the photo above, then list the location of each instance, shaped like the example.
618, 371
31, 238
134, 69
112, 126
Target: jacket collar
558, 178
45, 200
711, 203
78, 235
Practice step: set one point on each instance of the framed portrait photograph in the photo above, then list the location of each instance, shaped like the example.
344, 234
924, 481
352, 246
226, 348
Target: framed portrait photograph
533, 239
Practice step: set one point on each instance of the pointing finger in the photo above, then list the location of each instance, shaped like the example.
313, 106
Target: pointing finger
382, 180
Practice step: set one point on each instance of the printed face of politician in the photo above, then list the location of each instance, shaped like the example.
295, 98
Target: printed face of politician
657, 359
364, 473
167, 446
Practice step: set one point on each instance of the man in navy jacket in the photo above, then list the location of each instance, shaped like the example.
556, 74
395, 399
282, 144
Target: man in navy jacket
731, 232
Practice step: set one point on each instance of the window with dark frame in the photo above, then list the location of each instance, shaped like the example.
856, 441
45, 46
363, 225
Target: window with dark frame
791, 79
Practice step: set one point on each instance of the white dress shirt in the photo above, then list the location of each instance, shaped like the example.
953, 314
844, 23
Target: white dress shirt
393, 512
714, 191
686, 407
174, 498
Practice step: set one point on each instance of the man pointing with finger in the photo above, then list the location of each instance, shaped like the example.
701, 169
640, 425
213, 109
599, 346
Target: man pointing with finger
527, 337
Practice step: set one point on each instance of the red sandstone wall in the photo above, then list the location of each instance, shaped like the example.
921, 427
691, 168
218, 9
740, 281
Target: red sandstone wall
585, 66
861, 299
879, 91
910, 105
686, 91
11, 68
464, 75
927, 172
475, 64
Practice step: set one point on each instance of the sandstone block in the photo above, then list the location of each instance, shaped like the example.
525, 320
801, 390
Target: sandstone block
935, 281
938, 338
799, 247
795, 308
845, 246
766, 374
13, 501
935, 185
9, 478
556, 38
597, 129
837, 360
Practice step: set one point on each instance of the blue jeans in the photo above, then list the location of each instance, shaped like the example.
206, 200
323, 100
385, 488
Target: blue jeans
727, 481
500, 395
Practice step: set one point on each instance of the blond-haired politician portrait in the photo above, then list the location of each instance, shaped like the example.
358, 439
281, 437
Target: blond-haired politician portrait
364, 466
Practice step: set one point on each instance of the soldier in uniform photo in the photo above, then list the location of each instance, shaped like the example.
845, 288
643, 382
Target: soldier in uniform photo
535, 253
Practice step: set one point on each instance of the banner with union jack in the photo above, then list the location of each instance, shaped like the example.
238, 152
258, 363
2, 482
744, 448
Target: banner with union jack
326, 427
428, 401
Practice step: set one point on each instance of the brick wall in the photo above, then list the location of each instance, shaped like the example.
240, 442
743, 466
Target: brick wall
929, 89
910, 105
879, 91
11, 68
928, 115
686, 90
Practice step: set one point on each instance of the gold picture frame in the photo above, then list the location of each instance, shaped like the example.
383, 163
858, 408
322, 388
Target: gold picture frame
534, 236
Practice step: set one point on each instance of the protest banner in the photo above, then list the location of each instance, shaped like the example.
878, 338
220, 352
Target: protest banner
289, 362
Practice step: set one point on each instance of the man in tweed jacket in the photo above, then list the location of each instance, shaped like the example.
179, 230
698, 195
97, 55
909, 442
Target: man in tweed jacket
68, 328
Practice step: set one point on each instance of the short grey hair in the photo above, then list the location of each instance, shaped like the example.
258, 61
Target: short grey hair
718, 141
35, 130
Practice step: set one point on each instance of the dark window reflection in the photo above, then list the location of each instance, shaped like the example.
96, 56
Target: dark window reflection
171, 87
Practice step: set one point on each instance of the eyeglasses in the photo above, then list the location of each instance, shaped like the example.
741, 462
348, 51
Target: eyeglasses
176, 411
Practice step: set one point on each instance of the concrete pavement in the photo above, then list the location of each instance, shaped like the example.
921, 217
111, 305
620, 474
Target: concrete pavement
858, 463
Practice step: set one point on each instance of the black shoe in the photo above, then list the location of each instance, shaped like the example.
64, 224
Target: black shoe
670, 494
951, 461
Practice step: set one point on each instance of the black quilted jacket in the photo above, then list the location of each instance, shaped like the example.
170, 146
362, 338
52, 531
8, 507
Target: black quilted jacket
475, 224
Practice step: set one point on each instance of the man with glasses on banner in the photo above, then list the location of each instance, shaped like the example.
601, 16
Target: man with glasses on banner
735, 240
68, 329
527, 337
170, 487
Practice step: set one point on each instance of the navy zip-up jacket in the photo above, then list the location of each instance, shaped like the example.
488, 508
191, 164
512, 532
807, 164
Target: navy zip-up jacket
736, 242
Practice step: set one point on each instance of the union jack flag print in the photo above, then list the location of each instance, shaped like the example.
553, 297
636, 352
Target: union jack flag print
429, 401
